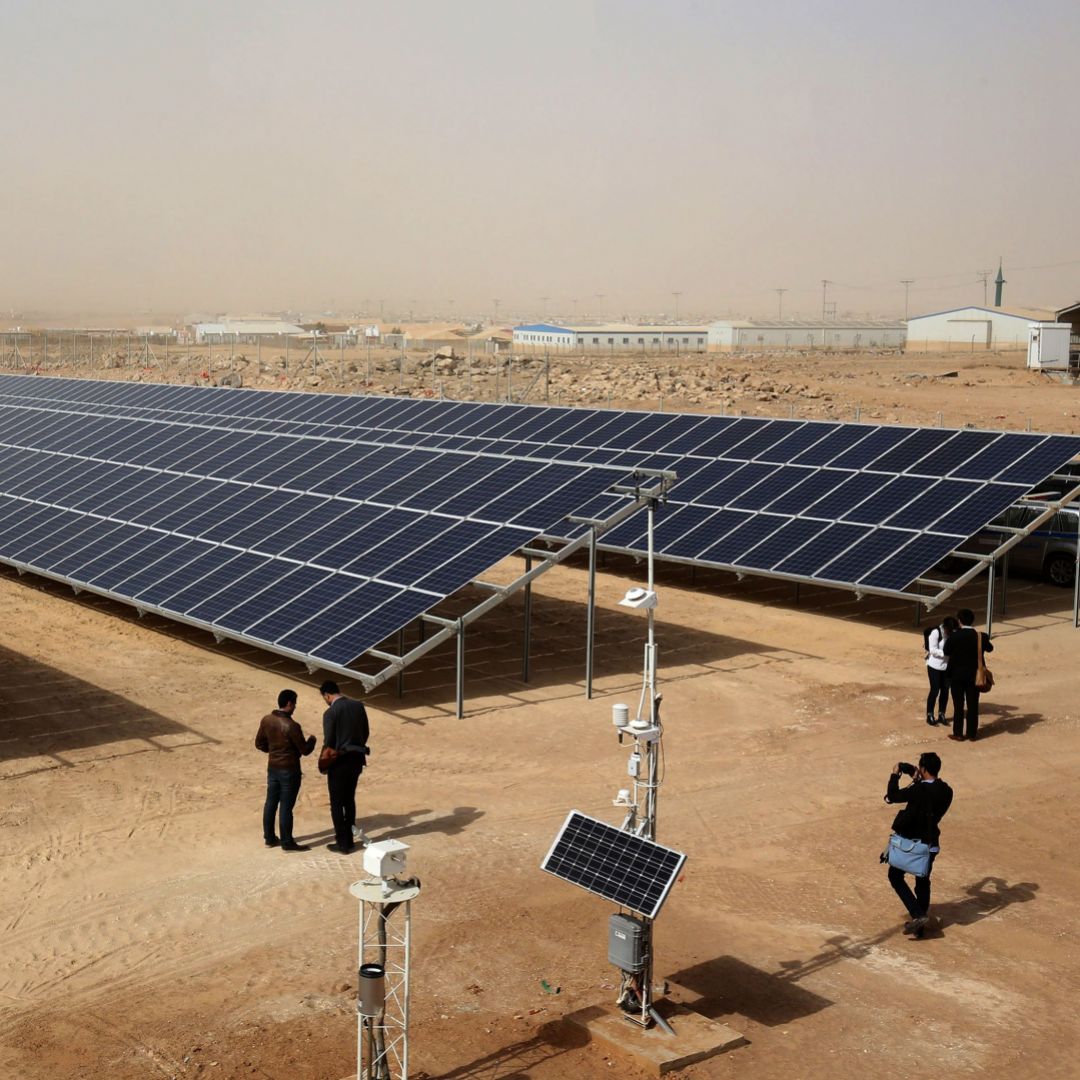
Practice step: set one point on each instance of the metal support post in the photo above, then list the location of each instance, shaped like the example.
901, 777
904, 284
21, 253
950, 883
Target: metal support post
990, 599
1005, 584
1076, 578
461, 669
527, 629
590, 615
401, 652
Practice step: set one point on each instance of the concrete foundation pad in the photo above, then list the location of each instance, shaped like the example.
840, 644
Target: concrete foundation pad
696, 1037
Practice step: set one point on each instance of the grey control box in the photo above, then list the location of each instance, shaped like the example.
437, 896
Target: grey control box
626, 943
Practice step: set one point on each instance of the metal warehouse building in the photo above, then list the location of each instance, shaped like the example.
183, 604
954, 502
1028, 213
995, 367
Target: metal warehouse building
975, 328
610, 338
729, 335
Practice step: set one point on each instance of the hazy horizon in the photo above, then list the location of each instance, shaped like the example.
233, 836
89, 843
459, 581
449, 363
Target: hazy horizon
432, 157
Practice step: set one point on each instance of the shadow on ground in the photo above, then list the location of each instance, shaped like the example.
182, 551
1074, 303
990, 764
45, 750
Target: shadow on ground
60, 720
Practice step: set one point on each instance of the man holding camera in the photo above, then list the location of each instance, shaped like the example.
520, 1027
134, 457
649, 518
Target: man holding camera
926, 800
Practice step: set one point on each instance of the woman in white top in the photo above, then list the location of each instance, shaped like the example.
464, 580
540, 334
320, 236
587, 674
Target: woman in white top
936, 663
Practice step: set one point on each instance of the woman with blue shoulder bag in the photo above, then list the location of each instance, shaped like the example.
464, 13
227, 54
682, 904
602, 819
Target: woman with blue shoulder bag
916, 836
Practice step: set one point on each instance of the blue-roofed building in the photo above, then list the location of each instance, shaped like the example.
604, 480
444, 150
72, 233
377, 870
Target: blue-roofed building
610, 338
540, 336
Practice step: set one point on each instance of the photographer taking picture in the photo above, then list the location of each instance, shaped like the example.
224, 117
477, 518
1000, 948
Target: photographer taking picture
914, 844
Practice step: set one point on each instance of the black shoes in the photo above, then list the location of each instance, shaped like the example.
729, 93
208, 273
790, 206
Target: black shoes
292, 845
274, 842
916, 927
941, 719
340, 848
930, 719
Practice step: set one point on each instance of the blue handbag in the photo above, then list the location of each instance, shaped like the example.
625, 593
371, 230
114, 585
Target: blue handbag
910, 856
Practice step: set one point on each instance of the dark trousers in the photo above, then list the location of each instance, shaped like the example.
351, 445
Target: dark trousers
939, 691
965, 700
917, 902
341, 784
282, 787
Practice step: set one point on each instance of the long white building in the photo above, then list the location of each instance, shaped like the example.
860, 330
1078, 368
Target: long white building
974, 328
609, 338
731, 335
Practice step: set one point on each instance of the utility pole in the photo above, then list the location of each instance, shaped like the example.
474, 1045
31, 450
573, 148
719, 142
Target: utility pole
907, 283
825, 283
780, 304
985, 275
495, 317
676, 293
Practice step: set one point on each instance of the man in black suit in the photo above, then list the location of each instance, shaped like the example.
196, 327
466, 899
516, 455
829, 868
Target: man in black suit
927, 800
962, 650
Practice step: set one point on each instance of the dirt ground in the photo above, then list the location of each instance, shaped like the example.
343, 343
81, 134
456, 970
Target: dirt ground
147, 932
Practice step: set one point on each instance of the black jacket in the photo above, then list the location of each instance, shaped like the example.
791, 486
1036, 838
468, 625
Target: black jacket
962, 649
927, 803
345, 726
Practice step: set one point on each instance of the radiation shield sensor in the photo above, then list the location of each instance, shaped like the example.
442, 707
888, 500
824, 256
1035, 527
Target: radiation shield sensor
644, 599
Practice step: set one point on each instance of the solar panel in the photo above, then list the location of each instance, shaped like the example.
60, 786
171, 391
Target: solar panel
889, 485
628, 870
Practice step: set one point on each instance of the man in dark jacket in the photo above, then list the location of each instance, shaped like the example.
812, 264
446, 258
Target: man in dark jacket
345, 732
961, 648
926, 799
282, 738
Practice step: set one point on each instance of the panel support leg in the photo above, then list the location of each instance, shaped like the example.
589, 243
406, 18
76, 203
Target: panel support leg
1076, 578
990, 600
590, 617
526, 640
1005, 584
461, 669
401, 652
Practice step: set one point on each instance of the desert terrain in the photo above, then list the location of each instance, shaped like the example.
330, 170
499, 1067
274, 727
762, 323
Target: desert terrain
145, 931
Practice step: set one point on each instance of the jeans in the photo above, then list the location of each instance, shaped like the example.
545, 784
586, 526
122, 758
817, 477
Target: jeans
917, 902
965, 699
282, 787
341, 785
939, 691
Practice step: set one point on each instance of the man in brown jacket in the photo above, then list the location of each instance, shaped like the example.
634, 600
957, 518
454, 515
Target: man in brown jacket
281, 737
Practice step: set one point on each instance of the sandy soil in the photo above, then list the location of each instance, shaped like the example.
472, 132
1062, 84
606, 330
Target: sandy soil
146, 931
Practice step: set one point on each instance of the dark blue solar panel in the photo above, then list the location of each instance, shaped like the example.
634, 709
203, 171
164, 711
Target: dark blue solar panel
823, 548
962, 446
997, 455
738, 541
472, 561
700, 538
728, 442
910, 562
865, 555
981, 507
780, 543
1041, 461
355, 606
376, 627
911, 450
98, 537
758, 443
842, 497
290, 600
726, 490
888, 500
696, 434
772, 487
336, 528
799, 437
933, 504
419, 556
181, 567
867, 450
376, 561
832, 445
221, 590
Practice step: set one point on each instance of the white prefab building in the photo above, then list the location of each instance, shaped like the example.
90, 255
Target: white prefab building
609, 338
730, 335
246, 331
974, 328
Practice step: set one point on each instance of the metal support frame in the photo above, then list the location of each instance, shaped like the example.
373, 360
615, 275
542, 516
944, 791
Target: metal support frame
461, 669
590, 616
990, 574
1076, 578
385, 939
526, 635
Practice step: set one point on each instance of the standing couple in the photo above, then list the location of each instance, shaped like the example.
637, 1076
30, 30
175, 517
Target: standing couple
954, 654
342, 759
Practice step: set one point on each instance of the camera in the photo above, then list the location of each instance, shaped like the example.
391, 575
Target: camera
906, 768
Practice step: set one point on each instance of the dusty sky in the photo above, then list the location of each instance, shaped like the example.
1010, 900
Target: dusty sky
437, 155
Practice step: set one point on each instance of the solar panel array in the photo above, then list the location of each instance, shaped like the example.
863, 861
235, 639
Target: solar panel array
629, 870
317, 546
856, 505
